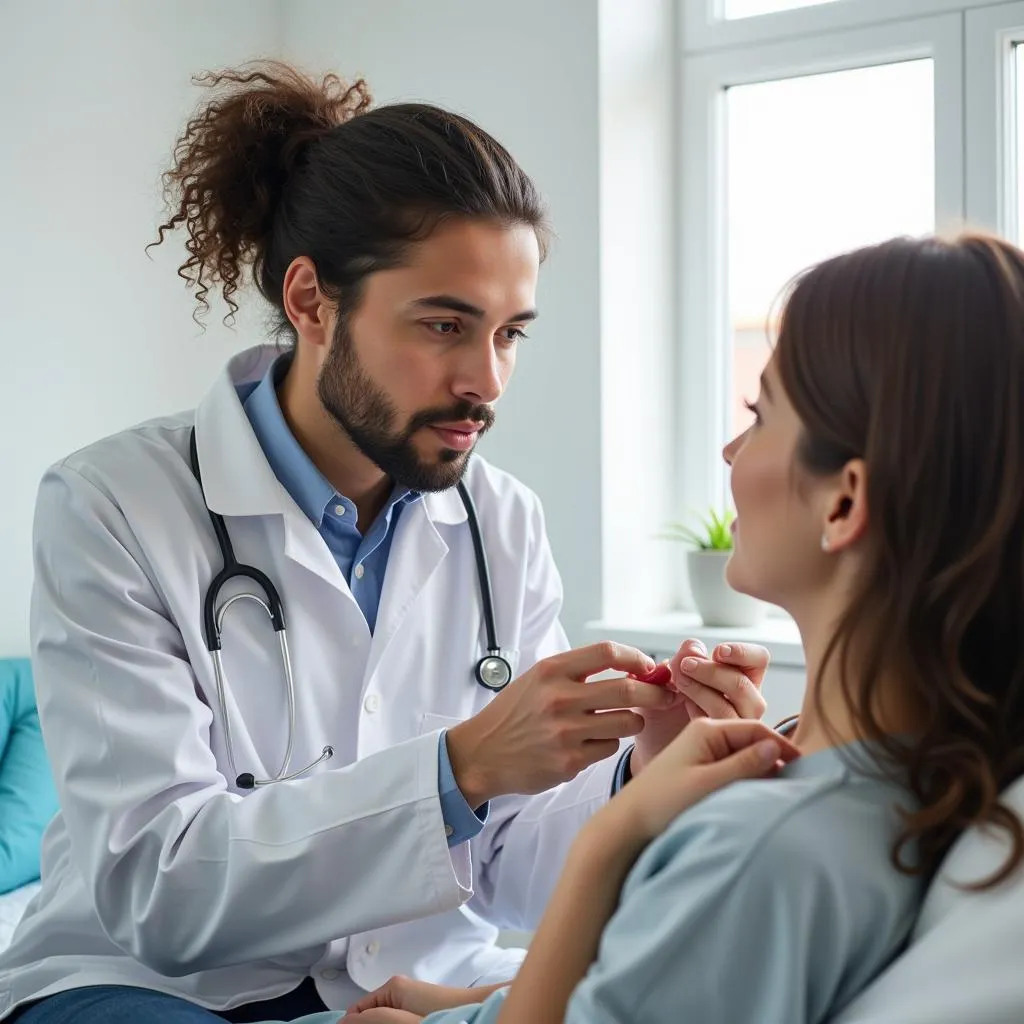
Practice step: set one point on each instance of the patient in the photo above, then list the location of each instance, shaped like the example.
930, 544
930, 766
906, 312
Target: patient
880, 502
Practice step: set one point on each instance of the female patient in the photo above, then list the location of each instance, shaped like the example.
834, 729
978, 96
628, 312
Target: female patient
879, 502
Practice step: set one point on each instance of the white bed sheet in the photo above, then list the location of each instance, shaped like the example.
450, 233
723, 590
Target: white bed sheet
12, 906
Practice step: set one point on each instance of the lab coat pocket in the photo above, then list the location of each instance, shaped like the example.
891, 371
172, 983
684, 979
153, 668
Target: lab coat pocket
463, 700
429, 722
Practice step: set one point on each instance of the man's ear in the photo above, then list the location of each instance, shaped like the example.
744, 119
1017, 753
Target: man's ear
846, 508
305, 305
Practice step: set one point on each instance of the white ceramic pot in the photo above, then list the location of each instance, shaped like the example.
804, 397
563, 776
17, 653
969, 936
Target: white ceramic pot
717, 603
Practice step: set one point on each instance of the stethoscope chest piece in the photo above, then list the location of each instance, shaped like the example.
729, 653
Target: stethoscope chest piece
494, 672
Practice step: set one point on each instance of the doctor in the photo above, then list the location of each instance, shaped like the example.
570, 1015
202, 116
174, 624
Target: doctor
254, 829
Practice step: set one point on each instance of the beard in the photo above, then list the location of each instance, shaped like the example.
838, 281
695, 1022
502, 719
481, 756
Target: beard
368, 417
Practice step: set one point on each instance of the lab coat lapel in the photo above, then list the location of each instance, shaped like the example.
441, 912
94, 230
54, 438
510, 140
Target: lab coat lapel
417, 552
238, 480
304, 545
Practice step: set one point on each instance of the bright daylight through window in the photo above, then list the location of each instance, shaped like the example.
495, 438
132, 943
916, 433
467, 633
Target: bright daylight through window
808, 128
817, 165
750, 8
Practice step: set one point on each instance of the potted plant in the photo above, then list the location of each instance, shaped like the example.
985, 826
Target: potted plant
711, 543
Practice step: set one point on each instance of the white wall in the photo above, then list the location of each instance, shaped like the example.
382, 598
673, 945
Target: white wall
528, 73
638, 314
96, 335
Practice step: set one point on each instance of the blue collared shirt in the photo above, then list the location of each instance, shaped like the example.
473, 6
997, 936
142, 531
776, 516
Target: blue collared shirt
362, 559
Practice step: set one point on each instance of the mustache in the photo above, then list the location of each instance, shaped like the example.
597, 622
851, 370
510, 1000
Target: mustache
482, 414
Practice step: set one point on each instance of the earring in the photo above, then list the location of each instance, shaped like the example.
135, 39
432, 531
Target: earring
824, 542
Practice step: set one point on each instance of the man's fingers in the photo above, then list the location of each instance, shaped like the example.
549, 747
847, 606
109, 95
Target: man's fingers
588, 661
609, 694
612, 725
752, 659
600, 750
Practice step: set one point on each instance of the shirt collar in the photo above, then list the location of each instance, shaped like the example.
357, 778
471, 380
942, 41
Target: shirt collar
309, 488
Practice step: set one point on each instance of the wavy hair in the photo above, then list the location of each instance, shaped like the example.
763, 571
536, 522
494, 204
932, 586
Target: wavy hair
279, 165
910, 356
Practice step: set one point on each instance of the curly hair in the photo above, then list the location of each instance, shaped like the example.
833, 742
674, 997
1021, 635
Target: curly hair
279, 165
910, 356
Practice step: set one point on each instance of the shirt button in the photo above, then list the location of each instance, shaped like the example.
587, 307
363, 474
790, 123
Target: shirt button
339, 510
360, 571
372, 948
371, 703
449, 831
330, 974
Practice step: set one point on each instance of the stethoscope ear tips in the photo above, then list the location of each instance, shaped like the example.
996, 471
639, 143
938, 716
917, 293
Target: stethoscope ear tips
246, 781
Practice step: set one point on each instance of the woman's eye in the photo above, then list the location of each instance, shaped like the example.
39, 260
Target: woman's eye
752, 407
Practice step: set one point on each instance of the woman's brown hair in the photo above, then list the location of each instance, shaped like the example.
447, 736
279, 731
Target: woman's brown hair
910, 356
279, 165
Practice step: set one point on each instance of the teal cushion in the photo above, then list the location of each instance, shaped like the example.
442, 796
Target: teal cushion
28, 799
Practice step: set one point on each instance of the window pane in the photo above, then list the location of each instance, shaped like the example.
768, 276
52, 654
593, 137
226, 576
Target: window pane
817, 165
750, 8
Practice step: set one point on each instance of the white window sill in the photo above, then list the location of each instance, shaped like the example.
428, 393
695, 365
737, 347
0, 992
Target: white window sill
662, 635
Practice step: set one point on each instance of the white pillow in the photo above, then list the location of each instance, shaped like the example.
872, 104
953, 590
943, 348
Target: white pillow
965, 960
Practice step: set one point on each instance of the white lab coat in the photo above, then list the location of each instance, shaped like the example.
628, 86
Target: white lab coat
158, 872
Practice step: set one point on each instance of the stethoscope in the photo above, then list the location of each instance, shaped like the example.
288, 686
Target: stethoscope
493, 671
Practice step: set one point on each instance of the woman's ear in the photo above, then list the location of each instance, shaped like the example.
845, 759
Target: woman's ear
846, 508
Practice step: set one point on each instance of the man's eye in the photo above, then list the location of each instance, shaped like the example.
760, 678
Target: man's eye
444, 327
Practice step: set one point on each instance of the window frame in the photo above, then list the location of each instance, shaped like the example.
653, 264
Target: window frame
702, 377
991, 144
704, 30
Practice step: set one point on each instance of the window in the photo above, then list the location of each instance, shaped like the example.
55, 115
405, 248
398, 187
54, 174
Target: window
817, 164
801, 129
792, 151
751, 8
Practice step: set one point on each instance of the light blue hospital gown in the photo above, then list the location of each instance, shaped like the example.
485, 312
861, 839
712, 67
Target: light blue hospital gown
770, 902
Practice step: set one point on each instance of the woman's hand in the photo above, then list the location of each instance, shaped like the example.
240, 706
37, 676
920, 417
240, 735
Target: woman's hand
705, 756
726, 684
419, 998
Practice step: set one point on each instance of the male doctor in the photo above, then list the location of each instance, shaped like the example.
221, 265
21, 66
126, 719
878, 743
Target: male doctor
398, 248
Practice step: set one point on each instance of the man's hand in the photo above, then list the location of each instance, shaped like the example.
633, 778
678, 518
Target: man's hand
725, 685
550, 724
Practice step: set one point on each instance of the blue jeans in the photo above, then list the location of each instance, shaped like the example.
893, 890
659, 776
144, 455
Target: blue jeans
122, 1004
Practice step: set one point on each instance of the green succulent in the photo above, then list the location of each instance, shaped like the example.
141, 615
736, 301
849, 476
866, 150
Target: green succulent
712, 534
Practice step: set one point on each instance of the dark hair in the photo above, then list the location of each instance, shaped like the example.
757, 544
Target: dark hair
281, 166
910, 355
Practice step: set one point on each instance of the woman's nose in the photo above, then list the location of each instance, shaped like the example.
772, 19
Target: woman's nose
730, 450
